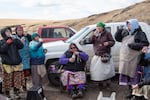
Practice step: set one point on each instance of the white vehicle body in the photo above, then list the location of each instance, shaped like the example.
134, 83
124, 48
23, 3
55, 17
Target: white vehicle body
56, 49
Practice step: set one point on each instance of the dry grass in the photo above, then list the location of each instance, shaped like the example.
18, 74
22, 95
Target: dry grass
139, 11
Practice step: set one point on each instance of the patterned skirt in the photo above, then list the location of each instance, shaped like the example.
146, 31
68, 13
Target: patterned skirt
73, 78
12, 79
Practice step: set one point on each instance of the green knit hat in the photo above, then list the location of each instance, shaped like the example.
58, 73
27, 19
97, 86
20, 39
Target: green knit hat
34, 35
100, 24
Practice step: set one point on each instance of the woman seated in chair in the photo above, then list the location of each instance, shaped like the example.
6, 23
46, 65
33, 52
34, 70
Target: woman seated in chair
73, 74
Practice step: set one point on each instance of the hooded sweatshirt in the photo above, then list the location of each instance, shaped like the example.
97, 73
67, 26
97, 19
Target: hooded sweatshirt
10, 52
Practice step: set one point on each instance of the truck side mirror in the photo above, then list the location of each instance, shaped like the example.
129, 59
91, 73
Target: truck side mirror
85, 41
82, 42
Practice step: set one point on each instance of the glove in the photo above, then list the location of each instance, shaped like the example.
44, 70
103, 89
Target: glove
9, 41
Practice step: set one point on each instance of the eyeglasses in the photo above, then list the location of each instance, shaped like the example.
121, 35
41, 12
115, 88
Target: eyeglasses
73, 48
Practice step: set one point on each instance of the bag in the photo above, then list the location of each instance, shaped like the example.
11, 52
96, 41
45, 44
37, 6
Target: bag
105, 58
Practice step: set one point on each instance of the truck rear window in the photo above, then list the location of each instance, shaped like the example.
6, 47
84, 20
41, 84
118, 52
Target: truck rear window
55, 33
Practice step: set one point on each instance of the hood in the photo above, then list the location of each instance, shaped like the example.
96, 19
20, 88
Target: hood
134, 24
3, 32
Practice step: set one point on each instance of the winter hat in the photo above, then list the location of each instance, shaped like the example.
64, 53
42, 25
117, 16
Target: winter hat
34, 35
100, 24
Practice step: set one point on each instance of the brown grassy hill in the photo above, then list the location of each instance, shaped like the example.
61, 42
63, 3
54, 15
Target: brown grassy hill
140, 11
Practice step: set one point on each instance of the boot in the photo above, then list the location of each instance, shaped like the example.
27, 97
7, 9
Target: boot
7, 93
16, 93
129, 96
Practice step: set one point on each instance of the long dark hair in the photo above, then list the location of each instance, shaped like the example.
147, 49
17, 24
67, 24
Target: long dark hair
74, 45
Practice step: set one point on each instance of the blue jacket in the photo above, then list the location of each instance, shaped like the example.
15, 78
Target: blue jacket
37, 55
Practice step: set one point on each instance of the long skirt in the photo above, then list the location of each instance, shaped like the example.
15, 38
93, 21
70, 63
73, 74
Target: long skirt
126, 80
73, 78
101, 71
12, 76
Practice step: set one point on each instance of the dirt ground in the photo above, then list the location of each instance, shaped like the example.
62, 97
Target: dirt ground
92, 91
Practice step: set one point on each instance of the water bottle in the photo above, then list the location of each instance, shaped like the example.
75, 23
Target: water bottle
53, 68
73, 56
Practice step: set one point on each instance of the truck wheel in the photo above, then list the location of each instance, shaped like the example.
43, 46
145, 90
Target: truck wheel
54, 77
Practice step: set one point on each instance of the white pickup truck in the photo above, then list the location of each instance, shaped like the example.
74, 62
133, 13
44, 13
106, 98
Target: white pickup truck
56, 49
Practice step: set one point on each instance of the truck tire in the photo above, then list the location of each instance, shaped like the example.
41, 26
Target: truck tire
54, 78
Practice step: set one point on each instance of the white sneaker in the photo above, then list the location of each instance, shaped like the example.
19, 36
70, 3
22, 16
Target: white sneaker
44, 98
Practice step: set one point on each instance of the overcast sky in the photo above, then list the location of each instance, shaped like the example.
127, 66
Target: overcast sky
58, 9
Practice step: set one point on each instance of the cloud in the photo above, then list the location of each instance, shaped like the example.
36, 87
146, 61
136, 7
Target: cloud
66, 9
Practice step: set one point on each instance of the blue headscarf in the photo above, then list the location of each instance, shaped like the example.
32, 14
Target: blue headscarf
134, 24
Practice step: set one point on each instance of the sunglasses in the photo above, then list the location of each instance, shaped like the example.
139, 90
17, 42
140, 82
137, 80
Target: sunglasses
73, 48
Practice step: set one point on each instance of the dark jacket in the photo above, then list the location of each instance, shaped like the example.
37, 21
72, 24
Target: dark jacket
79, 63
97, 40
145, 82
10, 52
140, 38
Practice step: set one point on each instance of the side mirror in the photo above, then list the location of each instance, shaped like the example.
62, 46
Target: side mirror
85, 41
82, 42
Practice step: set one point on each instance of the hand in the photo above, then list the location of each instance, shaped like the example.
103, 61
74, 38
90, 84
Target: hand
9, 41
71, 60
144, 49
96, 32
106, 43
135, 86
76, 53
22, 39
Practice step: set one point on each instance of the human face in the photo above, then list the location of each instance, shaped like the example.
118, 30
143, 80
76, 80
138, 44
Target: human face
129, 26
19, 32
36, 38
73, 48
8, 33
100, 29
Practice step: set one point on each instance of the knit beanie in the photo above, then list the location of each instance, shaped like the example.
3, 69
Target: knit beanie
34, 35
100, 24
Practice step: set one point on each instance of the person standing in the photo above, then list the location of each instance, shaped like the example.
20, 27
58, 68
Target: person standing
11, 62
24, 52
102, 67
133, 39
37, 57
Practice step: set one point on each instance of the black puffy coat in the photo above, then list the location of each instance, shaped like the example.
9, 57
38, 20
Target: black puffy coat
10, 52
75, 66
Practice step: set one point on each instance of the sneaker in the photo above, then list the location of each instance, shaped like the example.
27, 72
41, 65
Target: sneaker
44, 98
73, 94
80, 93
